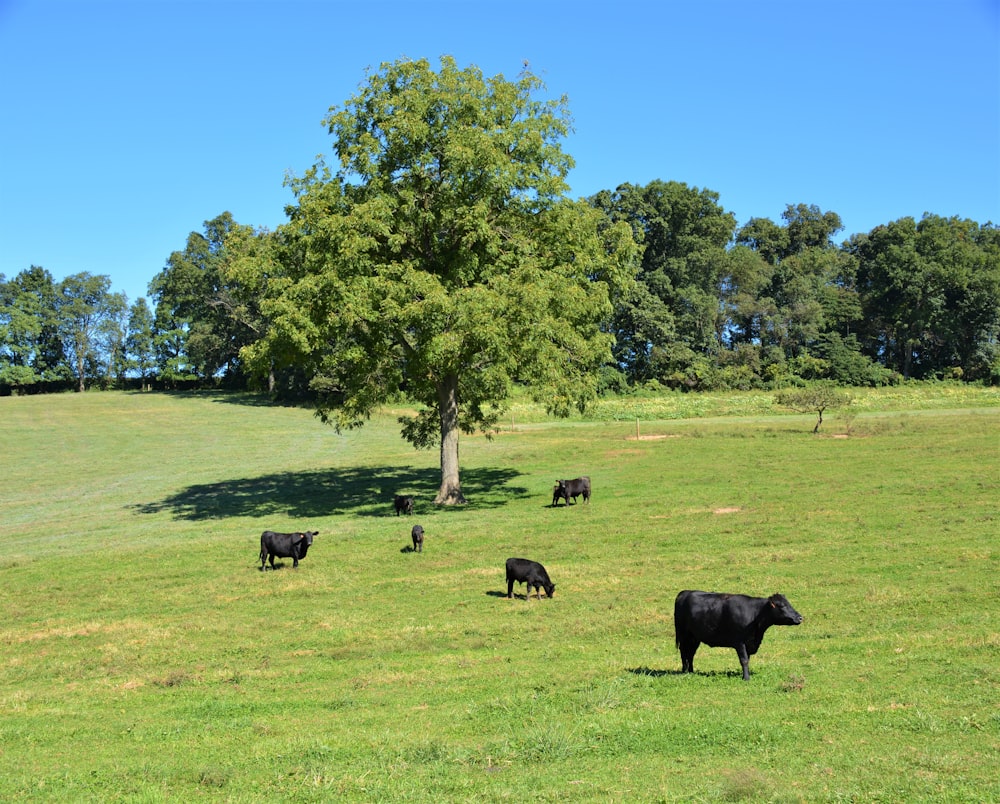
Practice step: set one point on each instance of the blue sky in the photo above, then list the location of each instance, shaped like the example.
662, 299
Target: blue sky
125, 125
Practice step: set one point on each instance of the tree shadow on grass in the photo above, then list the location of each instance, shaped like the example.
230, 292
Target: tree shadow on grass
362, 491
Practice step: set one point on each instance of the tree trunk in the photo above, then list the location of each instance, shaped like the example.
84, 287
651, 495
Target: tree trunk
450, 492
818, 423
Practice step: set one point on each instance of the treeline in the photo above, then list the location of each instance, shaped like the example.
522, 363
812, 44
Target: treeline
712, 306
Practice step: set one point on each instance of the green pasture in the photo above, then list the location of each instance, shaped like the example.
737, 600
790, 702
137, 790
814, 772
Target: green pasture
143, 656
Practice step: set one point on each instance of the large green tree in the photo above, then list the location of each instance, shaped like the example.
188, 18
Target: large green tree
442, 257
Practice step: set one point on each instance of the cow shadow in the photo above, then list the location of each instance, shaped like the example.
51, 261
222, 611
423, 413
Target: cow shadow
517, 595
649, 671
361, 491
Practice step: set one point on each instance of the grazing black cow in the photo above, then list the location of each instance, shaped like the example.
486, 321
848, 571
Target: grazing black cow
418, 539
727, 621
285, 545
530, 573
404, 504
564, 489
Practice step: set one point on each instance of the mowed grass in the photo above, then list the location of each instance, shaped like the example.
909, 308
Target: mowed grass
145, 658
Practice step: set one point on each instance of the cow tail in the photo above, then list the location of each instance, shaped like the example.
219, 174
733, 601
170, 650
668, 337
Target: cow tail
677, 625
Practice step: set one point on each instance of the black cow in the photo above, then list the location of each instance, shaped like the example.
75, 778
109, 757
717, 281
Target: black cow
530, 573
727, 621
404, 504
418, 539
285, 545
564, 489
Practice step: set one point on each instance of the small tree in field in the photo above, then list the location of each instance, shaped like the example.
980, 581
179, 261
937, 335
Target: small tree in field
815, 399
442, 258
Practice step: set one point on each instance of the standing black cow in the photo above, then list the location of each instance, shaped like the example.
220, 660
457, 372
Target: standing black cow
285, 545
727, 621
530, 573
564, 489
404, 504
417, 534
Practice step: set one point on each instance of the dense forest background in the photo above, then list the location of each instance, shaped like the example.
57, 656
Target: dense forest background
712, 306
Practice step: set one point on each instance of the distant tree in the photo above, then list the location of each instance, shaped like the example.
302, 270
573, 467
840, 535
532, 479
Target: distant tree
845, 364
789, 285
197, 335
766, 238
111, 341
931, 296
259, 275
672, 315
140, 347
815, 399
809, 227
85, 307
442, 258
31, 349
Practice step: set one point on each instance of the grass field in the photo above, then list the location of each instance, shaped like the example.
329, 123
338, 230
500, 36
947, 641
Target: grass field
145, 658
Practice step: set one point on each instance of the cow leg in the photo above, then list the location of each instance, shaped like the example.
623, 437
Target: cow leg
741, 651
510, 588
688, 648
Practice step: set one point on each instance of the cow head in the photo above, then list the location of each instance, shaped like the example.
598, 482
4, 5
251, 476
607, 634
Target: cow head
782, 611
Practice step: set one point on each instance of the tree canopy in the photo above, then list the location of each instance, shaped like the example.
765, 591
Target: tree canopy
437, 258
442, 257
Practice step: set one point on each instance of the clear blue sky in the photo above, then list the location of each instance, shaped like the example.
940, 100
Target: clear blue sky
125, 125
